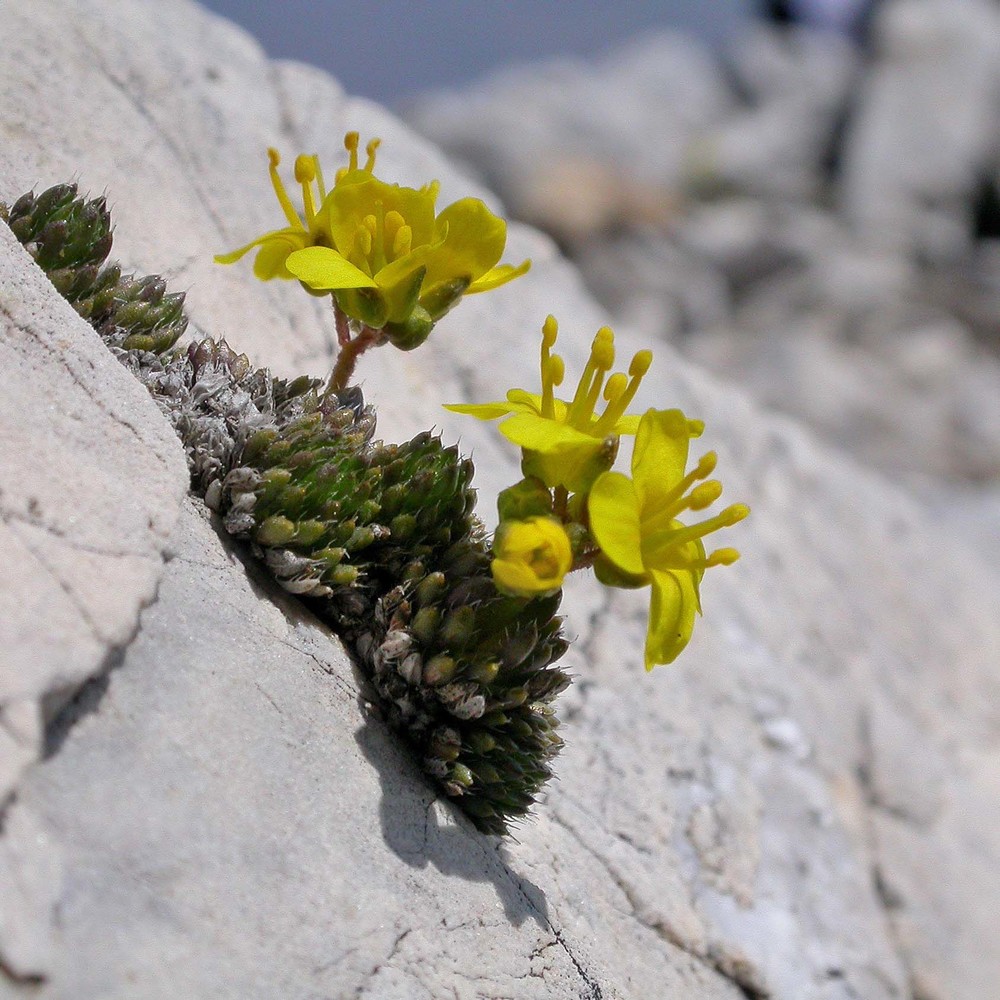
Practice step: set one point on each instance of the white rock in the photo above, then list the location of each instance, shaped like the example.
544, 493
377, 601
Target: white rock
227, 819
90, 480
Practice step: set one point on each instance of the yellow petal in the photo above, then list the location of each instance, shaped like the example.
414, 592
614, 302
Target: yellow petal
474, 239
323, 268
271, 260
482, 411
498, 276
614, 520
659, 456
295, 239
537, 433
628, 424
672, 608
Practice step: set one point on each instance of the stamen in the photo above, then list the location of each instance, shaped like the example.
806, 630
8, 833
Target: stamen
704, 495
550, 330
319, 178
602, 357
274, 158
615, 386
363, 241
603, 349
393, 220
402, 242
370, 150
706, 465
704, 468
615, 408
675, 501
553, 371
722, 557
675, 537
351, 141
640, 364
305, 174
351, 145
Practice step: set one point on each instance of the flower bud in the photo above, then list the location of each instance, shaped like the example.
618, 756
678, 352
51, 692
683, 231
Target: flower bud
531, 556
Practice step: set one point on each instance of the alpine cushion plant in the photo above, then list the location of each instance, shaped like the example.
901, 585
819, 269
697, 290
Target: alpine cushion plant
381, 540
392, 263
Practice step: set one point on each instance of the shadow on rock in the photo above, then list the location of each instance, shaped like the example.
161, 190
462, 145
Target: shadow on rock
420, 833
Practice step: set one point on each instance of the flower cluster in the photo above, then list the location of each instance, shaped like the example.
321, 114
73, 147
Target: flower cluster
392, 264
572, 511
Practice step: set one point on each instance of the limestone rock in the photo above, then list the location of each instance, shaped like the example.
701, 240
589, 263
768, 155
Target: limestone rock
804, 807
90, 480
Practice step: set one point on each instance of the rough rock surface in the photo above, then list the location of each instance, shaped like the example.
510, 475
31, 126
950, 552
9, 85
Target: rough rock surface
90, 481
804, 807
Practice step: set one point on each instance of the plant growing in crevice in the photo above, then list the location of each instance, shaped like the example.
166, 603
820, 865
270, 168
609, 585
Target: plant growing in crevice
456, 631
380, 539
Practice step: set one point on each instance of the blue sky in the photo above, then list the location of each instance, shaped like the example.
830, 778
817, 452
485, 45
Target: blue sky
390, 50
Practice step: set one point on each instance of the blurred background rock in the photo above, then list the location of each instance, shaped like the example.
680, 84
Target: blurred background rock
801, 196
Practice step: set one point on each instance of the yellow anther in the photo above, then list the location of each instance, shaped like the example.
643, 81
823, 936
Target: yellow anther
557, 369
402, 241
370, 223
735, 513
640, 364
722, 557
602, 351
550, 330
305, 174
370, 150
615, 386
704, 495
618, 403
706, 465
305, 169
351, 141
273, 156
393, 222
363, 240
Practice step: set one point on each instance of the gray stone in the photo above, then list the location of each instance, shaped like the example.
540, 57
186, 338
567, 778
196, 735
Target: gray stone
90, 480
222, 815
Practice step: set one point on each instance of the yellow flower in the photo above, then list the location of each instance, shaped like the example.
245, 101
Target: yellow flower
634, 521
531, 556
568, 444
380, 249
